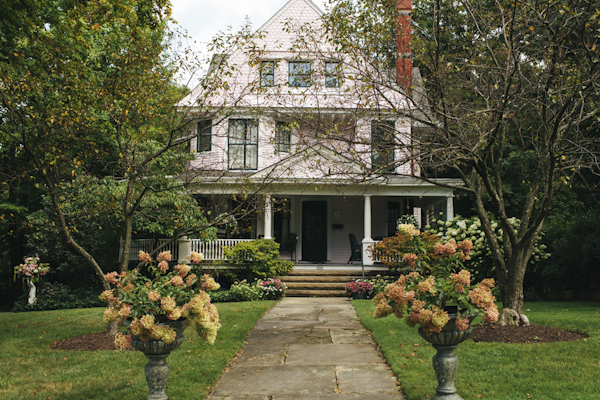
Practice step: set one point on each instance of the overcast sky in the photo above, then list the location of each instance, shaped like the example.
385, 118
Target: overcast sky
203, 19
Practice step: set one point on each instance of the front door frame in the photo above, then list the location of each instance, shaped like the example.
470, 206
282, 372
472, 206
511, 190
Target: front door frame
326, 227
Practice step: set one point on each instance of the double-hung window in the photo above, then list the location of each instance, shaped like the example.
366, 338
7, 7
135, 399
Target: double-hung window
267, 73
299, 73
243, 144
383, 145
204, 135
283, 134
332, 74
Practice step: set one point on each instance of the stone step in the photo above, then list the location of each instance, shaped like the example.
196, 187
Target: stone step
314, 293
306, 278
316, 285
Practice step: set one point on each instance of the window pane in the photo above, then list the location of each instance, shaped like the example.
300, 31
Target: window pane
332, 74
299, 74
204, 139
267, 73
243, 144
383, 145
283, 131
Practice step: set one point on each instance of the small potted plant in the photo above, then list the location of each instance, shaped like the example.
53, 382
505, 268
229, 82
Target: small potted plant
358, 289
154, 304
30, 272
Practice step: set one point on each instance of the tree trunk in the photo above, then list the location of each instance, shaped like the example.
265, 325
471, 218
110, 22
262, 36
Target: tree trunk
510, 282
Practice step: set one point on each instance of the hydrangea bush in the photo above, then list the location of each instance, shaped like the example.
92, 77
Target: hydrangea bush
460, 228
150, 296
437, 283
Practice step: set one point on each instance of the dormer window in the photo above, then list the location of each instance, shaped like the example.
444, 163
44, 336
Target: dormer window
332, 74
299, 73
267, 73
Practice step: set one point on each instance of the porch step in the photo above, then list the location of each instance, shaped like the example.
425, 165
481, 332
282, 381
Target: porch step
320, 283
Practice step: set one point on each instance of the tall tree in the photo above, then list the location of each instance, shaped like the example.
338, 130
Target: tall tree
508, 94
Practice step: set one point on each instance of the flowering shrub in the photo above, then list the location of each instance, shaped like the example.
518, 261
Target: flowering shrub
358, 287
391, 250
244, 291
380, 283
31, 269
460, 228
159, 294
437, 282
271, 289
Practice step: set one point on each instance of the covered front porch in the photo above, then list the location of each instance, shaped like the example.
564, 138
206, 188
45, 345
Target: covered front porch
326, 226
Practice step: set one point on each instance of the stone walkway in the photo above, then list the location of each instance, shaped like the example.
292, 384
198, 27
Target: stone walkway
308, 349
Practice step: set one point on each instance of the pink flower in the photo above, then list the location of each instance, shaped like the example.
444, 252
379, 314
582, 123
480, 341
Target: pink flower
462, 324
144, 257
164, 256
176, 280
153, 296
183, 269
163, 266
410, 259
195, 258
111, 277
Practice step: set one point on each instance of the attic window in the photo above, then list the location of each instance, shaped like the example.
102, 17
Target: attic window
204, 139
267, 73
299, 73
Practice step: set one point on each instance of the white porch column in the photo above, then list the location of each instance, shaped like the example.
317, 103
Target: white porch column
185, 249
367, 239
449, 207
268, 218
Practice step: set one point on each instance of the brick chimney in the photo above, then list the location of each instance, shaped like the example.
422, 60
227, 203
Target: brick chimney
404, 43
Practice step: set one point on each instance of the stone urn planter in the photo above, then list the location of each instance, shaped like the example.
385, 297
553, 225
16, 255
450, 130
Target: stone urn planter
445, 362
157, 351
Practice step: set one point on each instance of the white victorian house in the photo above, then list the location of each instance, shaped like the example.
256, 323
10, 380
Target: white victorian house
292, 129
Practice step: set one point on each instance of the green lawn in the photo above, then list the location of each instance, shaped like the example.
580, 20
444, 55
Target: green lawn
30, 370
539, 371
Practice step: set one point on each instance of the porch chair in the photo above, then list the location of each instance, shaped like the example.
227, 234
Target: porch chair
355, 248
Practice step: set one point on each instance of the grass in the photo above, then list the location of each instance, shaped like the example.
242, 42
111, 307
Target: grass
29, 369
498, 371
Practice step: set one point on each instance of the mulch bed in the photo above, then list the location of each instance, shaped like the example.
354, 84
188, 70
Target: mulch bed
487, 333
523, 334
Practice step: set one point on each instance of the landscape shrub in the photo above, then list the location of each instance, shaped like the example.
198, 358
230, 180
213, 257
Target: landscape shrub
271, 289
256, 259
58, 296
244, 291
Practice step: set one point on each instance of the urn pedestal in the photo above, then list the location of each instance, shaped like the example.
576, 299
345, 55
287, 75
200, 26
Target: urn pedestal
157, 370
445, 362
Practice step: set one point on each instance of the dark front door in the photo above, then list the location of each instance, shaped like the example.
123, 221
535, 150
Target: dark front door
314, 231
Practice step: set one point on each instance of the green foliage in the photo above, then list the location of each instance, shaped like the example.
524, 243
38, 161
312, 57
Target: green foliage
480, 263
257, 259
58, 296
572, 272
379, 283
244, 291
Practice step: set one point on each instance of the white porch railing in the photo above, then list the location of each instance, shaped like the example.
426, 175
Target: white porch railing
147, 245
212, 250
